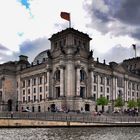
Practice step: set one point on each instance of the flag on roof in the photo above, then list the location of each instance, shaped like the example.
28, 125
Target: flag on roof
65, 15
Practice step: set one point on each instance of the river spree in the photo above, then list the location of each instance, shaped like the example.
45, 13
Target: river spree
79, 133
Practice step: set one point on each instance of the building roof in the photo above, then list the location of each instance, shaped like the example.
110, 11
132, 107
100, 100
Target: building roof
70, 30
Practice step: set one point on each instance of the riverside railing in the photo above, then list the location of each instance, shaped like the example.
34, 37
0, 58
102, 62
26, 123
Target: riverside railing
71, 117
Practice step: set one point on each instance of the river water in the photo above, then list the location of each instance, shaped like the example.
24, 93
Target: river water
78, 133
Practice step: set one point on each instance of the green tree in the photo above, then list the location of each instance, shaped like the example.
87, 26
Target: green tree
102, 101
132, 104
119, 102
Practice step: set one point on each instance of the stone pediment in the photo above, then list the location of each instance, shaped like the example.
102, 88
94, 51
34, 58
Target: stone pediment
121, 69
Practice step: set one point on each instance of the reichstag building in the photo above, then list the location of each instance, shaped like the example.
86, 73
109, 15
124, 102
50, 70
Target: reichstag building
66, 77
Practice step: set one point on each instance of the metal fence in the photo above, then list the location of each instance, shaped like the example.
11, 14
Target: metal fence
72, 117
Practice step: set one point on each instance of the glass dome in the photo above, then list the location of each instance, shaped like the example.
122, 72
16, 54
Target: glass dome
41, 57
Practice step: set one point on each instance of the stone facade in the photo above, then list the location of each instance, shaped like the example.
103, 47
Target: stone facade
66, 77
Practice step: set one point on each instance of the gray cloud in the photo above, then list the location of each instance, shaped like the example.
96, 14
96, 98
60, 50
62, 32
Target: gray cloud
115, 16
129, 12
33, 48
3, 48
117, 54
28, 47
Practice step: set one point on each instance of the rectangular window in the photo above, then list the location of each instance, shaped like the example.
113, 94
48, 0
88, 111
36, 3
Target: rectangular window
28, 82
107, 97
23, 99
101, 80
94, 97
40, 80
107, 90
57, 92
101, 89
133, 86
23, 83
94, 88
128, 93
40, 89
23, 92
82, 92
95, 78
108, 81
120, 82
28, 98
34, 90
34, 98
40, 97
34, 81
133, 94
28, 91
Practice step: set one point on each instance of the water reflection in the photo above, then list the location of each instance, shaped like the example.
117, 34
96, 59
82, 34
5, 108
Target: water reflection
80, 133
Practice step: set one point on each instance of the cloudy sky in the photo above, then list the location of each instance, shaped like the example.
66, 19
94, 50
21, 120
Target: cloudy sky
113, 25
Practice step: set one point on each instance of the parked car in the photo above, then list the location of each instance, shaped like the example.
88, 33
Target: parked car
26, 110
116, 111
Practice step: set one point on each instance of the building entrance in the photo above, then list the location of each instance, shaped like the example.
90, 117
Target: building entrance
53, 108
87, 107
9, 105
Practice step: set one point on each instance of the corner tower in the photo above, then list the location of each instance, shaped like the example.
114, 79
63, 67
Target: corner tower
70, 55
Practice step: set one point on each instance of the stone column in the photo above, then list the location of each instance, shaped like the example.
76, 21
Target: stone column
26, 92
130, 91
104, 83
31, 88
113, 91
70, 78
125, 89
61, 81
48, 83
116, 89
43, 86
98, 86
78, 80
91, 76
37, 88
113, 88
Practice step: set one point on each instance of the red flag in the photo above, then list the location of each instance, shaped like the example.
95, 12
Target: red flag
65, 15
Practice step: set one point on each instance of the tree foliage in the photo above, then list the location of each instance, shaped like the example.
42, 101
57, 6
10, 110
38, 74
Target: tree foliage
119, 102
102, 101
132, 104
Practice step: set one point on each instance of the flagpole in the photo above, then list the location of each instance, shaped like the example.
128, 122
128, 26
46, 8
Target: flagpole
135, 49
135, 53
70, 22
